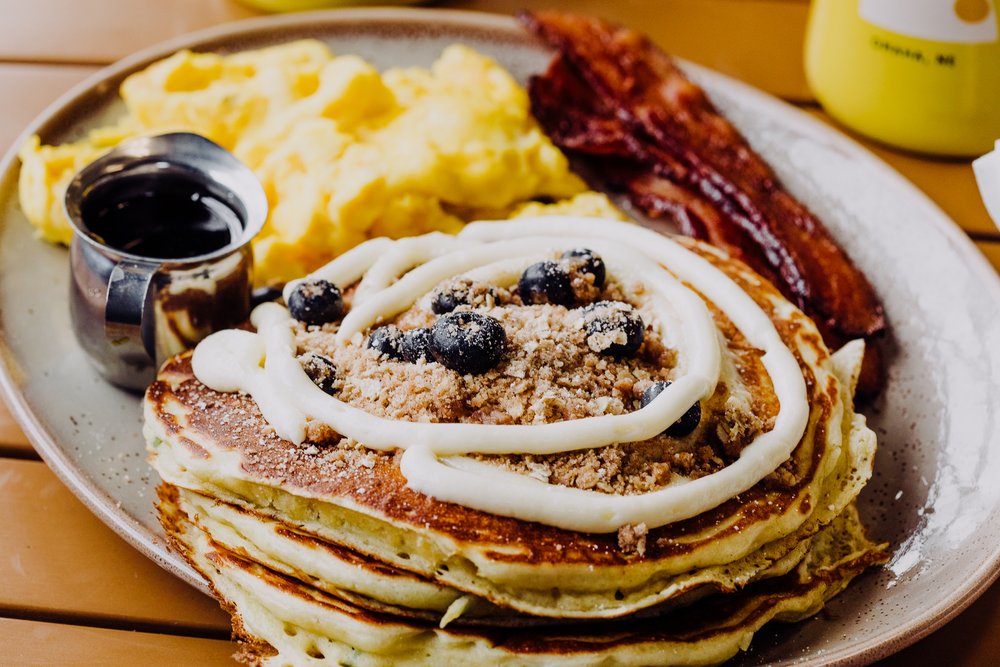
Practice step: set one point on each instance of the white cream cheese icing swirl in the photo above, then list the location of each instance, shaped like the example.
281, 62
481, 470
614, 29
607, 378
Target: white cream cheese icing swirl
394, 275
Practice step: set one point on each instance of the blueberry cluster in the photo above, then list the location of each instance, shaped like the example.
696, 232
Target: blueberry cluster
613, 327
464, 341
410, 346
552, 282
470, 342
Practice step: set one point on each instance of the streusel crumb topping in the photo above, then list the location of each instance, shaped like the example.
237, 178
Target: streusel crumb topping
549, 373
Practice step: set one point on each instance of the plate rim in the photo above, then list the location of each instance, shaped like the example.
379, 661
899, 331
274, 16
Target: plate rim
153, 546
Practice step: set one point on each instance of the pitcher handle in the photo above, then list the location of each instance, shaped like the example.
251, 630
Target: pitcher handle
126, 309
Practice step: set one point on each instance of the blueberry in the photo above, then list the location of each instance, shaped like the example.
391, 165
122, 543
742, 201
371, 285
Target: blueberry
416, 345
320, 370
468, 342
587, 261
689, 420
387, 340
316, 302
613, 328
462, 292
546, 282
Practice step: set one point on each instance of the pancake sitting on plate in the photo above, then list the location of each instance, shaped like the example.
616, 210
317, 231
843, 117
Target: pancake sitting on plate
546, 441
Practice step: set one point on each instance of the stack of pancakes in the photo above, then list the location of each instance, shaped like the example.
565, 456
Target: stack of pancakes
324, 555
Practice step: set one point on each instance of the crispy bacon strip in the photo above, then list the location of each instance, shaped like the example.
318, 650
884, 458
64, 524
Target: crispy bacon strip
616, 102
655, 183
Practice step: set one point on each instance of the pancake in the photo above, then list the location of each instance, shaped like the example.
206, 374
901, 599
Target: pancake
329, 567
535, 510
413, 551
364, 504
283, 621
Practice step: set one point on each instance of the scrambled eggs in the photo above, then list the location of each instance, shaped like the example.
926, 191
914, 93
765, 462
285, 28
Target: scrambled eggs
344, 153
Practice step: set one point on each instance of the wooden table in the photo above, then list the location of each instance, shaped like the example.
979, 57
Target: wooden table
71, 591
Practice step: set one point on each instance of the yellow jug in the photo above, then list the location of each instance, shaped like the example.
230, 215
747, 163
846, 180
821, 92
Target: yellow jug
918, 74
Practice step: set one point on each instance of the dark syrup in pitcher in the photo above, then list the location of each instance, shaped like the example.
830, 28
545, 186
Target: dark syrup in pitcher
161, 215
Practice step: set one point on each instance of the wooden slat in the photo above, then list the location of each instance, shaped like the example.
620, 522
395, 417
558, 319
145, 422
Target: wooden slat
28, 89
13, 442
31, 643
101, 31
758, 41
992, 251
59, 561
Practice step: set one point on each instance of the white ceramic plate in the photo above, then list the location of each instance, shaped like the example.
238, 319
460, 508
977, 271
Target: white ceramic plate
935, 494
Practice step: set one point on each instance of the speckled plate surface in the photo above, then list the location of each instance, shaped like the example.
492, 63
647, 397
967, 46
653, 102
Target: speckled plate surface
934, 494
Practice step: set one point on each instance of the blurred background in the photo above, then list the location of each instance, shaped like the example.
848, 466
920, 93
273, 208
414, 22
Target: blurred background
47, 45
